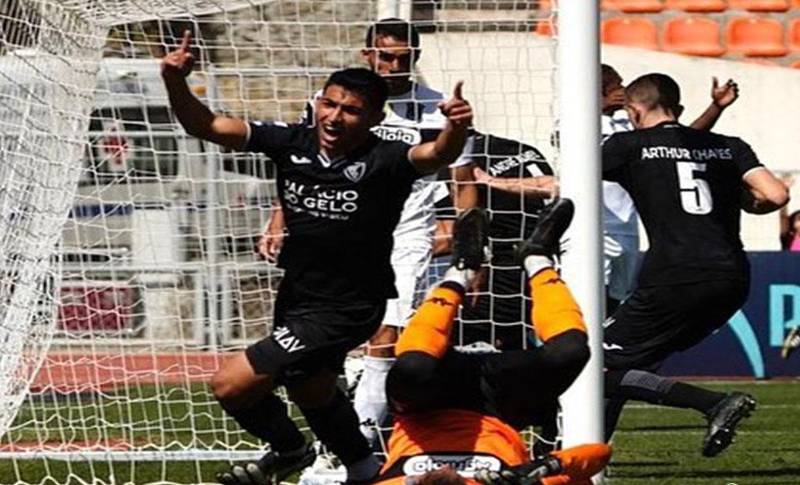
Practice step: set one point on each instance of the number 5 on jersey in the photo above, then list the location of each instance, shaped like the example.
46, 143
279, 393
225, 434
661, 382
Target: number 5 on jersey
695, 192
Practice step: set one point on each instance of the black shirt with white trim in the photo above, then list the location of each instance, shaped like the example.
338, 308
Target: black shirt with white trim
687, 187
513, 215
340, 214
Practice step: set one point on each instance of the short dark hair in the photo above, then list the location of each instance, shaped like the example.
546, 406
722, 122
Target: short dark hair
397, 28
656, 90
443, 476
792, 218
367, 84
607, 75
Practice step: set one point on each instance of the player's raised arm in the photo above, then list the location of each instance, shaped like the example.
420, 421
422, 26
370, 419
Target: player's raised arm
193, 115
431, 156
721, 97
764, 193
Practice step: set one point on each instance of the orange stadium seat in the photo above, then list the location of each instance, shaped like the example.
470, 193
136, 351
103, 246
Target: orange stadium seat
630, 31
795, 3
756, 37
696, 36
795, 65
793, 37
544, 27
639, 6
761, 5
697, 5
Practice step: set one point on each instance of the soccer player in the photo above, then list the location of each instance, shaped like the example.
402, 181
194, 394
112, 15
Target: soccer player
342, 190
392, 48
620, 221
504, 169
689, 187
464, 409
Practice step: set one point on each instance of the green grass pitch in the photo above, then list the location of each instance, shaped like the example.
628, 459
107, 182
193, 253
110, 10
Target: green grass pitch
654, 445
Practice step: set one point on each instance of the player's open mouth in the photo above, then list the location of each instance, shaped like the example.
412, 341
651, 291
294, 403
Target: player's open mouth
331, 134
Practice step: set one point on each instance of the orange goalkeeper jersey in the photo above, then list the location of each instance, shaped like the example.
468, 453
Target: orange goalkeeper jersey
464, 440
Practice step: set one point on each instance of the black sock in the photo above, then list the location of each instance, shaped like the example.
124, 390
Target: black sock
336, 425
652, 388
684, 395
269, 420
613, 410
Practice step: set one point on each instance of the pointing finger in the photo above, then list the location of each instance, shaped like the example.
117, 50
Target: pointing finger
457, 90
187, 39
714, 82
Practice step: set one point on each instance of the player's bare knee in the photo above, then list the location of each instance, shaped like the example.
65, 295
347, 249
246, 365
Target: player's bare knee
381, 344
225, 391
236, 385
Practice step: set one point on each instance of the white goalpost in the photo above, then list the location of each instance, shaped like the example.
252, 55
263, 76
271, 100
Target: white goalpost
127, 264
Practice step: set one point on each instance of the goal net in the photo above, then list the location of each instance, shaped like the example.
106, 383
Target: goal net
127, 248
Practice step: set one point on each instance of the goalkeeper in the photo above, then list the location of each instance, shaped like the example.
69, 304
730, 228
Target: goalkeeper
460, 410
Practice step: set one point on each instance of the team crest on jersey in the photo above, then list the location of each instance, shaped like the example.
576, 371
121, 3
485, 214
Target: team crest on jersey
355, 171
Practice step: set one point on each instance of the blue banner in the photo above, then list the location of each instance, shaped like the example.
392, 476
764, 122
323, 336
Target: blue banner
750, 344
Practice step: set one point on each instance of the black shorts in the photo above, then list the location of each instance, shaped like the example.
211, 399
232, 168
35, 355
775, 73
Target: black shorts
519, 386
307, 338
657, 321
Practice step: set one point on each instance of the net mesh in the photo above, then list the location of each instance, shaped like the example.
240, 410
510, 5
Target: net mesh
128, 247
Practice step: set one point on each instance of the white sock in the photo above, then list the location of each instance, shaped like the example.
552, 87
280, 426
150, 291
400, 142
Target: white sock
460, 276
535, 263
364, 469
370, 398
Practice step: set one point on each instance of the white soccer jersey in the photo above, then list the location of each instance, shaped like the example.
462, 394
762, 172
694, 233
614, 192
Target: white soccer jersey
619, 213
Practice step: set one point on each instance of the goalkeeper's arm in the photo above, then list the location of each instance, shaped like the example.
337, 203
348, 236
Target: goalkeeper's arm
193, 115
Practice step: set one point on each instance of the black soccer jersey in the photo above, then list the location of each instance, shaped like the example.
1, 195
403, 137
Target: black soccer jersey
687, 187
340, 213
513, 216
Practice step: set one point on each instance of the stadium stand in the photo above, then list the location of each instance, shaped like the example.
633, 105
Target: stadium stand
761, 5
698, 36
738, 30
793, 35
639, 6
697, 5
756, 37
630, 31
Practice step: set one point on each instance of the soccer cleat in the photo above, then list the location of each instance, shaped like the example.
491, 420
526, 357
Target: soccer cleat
723, 419
553, 221
271, 469
470, 239
791, 342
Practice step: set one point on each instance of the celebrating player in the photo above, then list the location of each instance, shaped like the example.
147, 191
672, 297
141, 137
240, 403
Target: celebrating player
392, 49
342, 190
689, 187
620, 221
461, 409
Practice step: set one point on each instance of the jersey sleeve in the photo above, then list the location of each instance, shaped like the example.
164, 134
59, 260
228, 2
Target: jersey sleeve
269, 138
616, 154
744, 157
400, 168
